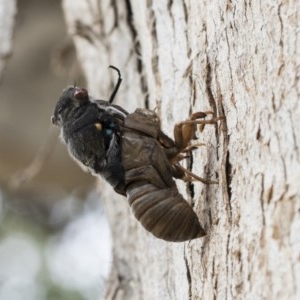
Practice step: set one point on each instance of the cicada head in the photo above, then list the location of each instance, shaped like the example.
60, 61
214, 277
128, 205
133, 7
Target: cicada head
71, 100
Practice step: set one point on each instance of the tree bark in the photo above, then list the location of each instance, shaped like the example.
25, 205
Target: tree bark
241, 61
8, 11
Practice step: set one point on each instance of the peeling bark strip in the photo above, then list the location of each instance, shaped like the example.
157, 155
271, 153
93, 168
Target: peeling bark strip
240, 60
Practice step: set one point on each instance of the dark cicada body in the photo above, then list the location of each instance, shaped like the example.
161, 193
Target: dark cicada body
91, 131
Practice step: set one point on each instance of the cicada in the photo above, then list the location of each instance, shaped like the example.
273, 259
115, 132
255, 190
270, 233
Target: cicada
131, 152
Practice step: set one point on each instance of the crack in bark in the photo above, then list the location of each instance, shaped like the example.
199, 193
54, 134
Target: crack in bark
188, 50
208, 81
228, 174
215, 280
188, 275
185, 11
169, 5
137, 49
281, 24
296, 147
155, 58
191, 191
169, 8
116, 14
262, 200
226, 167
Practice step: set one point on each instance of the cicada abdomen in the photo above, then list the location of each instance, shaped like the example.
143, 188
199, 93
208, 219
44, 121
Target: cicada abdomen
164, 212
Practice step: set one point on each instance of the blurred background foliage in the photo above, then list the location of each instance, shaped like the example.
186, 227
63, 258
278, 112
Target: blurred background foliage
54, 239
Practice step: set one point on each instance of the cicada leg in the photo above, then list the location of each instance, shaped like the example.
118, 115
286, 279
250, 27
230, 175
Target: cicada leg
183, 133
185, 130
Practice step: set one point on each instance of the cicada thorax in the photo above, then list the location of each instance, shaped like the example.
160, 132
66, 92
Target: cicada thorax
150, 188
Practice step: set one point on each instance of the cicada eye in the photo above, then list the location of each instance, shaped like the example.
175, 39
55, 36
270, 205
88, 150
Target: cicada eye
81, 94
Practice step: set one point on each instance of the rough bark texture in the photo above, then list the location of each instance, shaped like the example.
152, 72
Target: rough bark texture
7, 19
240, 60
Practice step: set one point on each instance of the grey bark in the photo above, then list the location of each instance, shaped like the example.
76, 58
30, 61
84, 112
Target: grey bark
240, 60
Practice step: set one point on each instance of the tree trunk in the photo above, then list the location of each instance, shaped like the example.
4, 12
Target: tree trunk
242, 61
